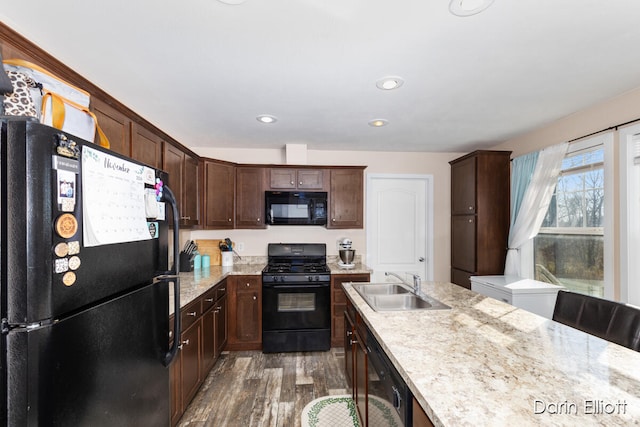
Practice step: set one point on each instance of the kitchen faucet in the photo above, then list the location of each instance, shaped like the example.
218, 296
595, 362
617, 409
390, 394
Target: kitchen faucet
416, 280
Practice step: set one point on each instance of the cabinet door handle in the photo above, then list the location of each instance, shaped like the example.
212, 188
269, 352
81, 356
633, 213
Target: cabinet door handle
258, 219
353, 342
183, 343
349, 333
300, 183
421, 259
255, 297
470, 221
229, 220
248, 284
291, 183
193, 313
209, 299
470, 208
223, 289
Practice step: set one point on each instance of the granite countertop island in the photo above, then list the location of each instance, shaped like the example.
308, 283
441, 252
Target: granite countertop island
484, 362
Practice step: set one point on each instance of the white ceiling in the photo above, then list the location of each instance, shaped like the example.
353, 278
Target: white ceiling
202, 70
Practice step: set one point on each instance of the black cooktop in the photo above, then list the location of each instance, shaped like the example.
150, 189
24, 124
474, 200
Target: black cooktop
297, 259
287, 267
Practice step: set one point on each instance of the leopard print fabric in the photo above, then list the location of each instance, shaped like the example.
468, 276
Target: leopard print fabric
20, 102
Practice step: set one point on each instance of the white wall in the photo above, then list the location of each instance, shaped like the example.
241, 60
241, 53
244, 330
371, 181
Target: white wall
255, 241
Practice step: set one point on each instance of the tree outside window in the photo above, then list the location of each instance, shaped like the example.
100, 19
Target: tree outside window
569, 249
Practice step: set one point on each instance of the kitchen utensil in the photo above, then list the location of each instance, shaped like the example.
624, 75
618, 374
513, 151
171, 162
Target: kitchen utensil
230, 247
347, 256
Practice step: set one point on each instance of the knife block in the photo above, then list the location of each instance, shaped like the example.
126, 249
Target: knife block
186, 262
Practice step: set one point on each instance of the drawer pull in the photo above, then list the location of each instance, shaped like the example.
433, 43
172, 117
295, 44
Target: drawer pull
223, 289
209, 299
248, 284
192, 313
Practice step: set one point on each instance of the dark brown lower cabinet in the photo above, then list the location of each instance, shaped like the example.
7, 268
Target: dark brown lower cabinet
349, 361
356, 362
361, 376
204, 335
245, 313
339, 303
190, 361
420, 418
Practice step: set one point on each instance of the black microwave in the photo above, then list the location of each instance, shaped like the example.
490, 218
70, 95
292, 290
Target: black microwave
296, 208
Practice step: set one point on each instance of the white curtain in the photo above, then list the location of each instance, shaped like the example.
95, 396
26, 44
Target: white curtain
535, 204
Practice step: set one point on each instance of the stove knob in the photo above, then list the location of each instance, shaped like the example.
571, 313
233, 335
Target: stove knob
310, 278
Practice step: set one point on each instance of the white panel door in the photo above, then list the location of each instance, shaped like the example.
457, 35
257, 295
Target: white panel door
399, 230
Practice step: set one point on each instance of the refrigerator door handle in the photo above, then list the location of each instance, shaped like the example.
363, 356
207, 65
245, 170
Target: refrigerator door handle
171, 354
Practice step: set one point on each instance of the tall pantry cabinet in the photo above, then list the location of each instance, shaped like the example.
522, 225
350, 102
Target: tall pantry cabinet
480, 209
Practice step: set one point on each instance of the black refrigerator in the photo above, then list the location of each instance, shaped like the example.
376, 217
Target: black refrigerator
85, 286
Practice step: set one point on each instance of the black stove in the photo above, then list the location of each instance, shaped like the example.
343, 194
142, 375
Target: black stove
296, 262
296, 298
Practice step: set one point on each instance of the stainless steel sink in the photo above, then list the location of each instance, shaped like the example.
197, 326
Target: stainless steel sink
395, 297
381, 289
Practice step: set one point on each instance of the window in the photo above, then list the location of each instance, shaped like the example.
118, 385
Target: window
569, 249
630, 215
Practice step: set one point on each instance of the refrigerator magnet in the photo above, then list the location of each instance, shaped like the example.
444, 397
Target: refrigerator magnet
66, 225
74, 247
150, 204
74, 263
61, 265
149, 175
66, 190
61, 249
153, 230
69, 278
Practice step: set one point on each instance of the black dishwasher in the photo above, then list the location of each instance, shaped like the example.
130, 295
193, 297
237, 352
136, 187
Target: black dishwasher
389, 398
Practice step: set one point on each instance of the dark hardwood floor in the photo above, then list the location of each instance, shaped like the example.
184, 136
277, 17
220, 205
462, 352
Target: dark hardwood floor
249, 388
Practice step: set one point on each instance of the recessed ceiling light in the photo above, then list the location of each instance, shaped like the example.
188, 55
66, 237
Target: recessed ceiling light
468, 7
389, 83
265, 118
376, 123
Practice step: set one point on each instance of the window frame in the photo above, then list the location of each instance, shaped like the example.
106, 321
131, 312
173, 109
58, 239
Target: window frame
629, 248
527, 251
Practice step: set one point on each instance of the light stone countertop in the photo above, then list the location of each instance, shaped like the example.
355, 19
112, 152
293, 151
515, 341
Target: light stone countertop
197, 282
358, 268
485, 362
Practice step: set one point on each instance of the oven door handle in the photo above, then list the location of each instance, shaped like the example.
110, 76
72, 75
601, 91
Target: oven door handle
303, 285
